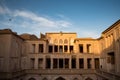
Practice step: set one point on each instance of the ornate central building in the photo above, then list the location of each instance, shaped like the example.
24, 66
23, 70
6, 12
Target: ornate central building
60, 56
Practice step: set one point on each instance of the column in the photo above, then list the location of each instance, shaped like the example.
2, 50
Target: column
63, 49
36, 63
68, 48
84, 48
69, 63
93, 63
77, 63
63, 63
53, 48
44, 62
44, 48
85, 63
36, 48
51, 63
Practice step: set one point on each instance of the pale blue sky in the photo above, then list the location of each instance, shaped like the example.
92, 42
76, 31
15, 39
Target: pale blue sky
88, 18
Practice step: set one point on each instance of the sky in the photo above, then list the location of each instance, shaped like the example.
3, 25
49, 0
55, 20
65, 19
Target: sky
88, 18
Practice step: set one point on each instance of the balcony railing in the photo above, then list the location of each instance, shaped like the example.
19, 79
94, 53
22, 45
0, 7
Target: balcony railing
60, 71
108, 75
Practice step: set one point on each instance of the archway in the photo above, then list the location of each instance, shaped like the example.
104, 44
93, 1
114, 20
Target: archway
88, 78
75, 79
60, 78
32, 79
45, 79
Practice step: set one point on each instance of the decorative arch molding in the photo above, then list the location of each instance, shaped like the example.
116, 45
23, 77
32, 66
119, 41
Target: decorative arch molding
60, 41
65, 41
55, 41
45, 78
60, 78
31, 79
88, 78
75, 79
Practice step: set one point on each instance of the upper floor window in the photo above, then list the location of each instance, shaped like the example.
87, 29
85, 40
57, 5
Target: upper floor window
60, 41
65, 41
41, 48
56, 41
88, 48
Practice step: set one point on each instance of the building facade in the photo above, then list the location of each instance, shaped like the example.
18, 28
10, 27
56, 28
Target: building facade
60, 56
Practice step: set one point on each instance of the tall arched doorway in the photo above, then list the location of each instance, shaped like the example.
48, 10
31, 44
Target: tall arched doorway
60, 78
88, 78
32, 79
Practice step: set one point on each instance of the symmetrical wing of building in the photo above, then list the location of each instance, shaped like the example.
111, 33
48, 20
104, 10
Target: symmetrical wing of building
60, 56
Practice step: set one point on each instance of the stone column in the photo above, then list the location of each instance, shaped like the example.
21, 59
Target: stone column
44, 48
53, 48
68, 48
36, 48
77, 62
36, 63
93, 63
84, 48
85, 63
44, 63
69, 63
63, 49
51, 63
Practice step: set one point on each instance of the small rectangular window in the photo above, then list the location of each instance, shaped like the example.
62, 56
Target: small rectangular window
60, 63
73, 62
61, 49
65, 48
89, 63
81, 63
66, 63
97, 64
71, 49
48, 63
81, 48
33, 48
41, 48
50, 49
55, 48
88, 48
55, 63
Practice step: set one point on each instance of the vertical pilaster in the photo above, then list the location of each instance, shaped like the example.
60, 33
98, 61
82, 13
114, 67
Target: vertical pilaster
36, 48
85, 63
93, 63
44, 48
77, 62
36, 63
44, 63
51, 63
84, 48
70, 63
53, 48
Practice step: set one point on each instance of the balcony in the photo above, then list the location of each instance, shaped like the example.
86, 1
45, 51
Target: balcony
60, 71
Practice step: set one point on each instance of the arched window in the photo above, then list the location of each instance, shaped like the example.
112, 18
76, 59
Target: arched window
60, 41
45, 79
75, 79
60, 78
88, 78
56, 41
32, 79
65, 41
